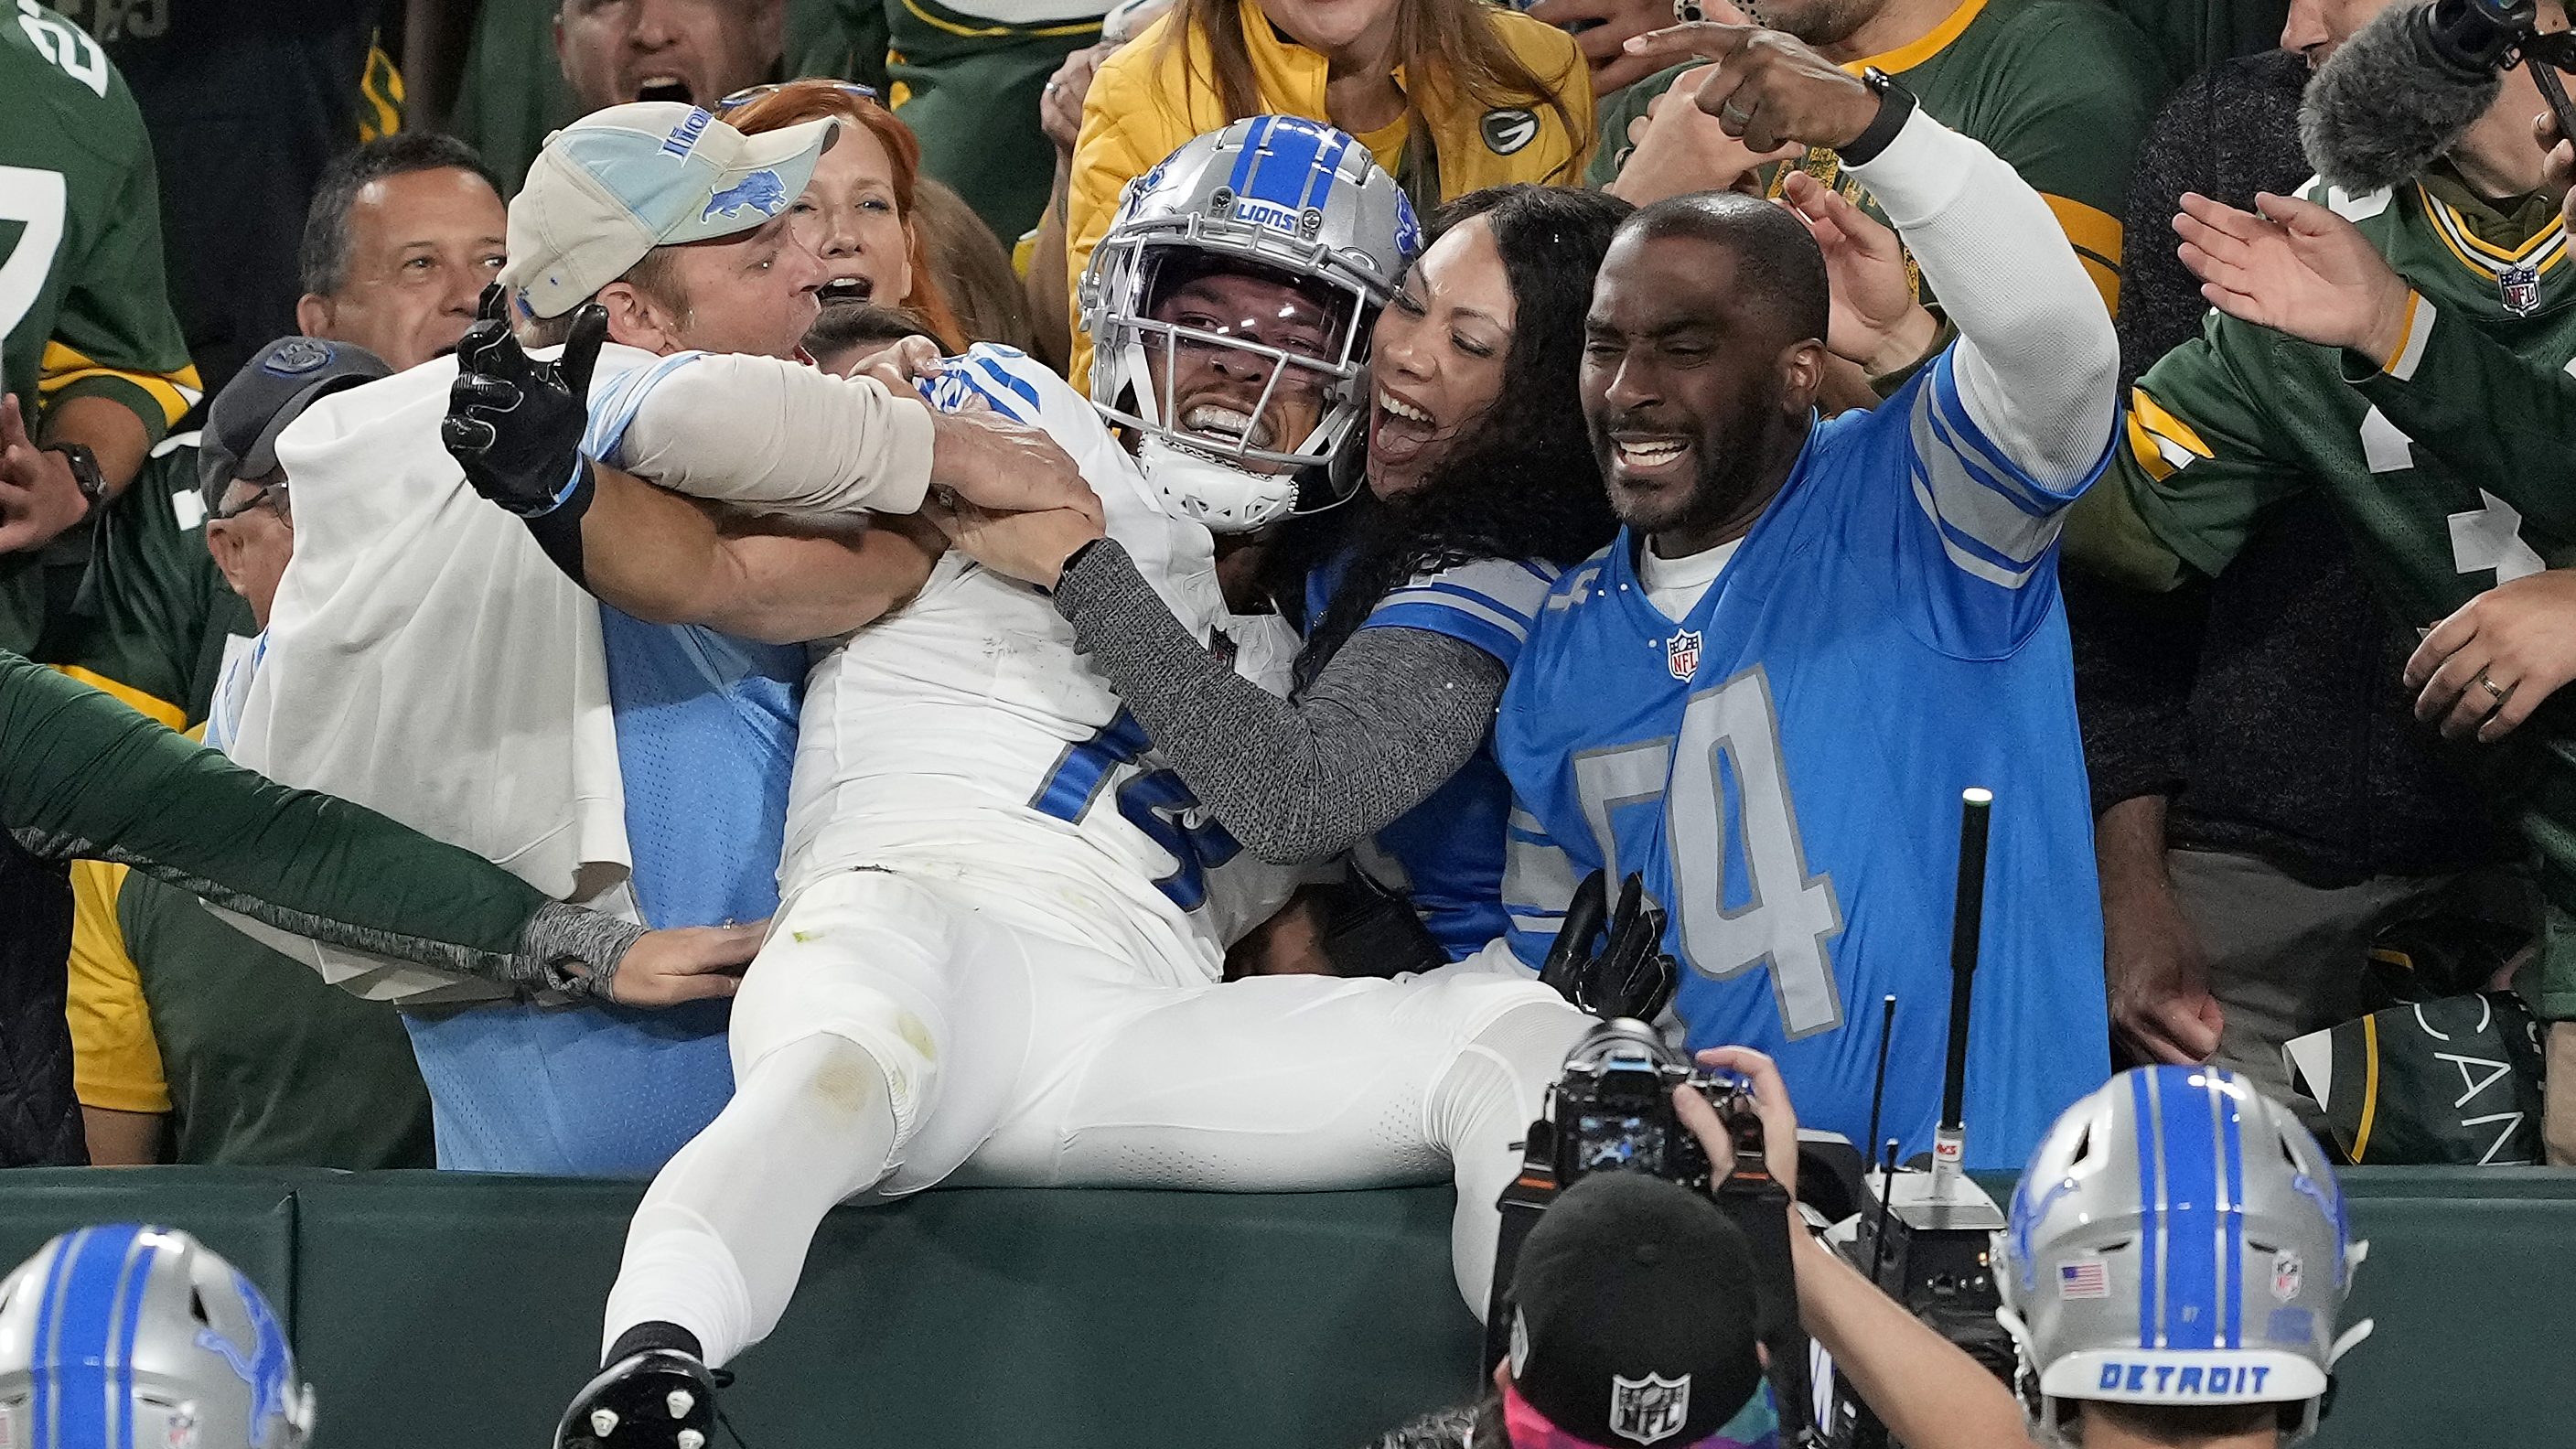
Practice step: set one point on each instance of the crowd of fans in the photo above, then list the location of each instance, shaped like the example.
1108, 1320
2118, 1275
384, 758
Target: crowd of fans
2294, 724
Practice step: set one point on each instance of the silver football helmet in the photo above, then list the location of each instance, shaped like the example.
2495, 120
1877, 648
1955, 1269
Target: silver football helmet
134, 1337
2178, 1238
1273, 197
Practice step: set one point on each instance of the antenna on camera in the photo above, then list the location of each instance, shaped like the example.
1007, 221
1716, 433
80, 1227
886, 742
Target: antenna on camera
1967, 925
1878, 1085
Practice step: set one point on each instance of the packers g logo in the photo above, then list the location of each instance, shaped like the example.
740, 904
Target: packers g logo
1509, 129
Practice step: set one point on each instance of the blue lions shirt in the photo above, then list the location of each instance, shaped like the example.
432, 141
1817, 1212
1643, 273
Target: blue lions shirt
1445, 855
1785, 766
706, 740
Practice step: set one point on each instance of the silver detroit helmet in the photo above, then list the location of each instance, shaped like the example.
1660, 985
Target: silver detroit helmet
1273, 196
134, 1337
2178, 1238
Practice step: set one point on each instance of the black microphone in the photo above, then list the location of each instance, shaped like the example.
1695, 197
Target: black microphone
2401, 92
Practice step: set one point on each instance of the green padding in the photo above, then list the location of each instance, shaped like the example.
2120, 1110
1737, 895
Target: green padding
441, 1312
1129, 1319
246, 1214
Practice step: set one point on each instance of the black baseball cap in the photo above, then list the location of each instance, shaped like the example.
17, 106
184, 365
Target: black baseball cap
1634, 1322
272, 390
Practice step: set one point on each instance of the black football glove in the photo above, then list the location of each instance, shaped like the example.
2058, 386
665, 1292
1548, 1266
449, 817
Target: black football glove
514, 424
1629, 975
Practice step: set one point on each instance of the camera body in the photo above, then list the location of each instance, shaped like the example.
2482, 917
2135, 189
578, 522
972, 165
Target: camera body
1612, 1109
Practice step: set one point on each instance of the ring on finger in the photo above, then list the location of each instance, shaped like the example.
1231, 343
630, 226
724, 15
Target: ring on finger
1734, 115
2499, 691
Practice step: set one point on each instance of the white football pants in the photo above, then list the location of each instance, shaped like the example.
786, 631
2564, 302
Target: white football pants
897, 1029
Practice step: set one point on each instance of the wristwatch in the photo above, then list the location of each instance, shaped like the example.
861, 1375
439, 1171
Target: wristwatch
1895, 107
85, 474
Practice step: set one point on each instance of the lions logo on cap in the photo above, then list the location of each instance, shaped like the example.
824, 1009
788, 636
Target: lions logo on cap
762, 191
1649, 1410
1509, 128
296, 356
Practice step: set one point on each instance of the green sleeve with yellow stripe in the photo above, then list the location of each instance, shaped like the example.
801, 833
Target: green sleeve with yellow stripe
2485, 411
83, 301
2195, 468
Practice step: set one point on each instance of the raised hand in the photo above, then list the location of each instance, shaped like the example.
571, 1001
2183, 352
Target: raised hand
1609, 26
1769, 89
2296, 268
1681, 148
38, 498
1875, 321
515, 424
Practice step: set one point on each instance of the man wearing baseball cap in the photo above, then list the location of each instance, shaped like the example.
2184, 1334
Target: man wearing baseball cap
643, 766
1634, 1324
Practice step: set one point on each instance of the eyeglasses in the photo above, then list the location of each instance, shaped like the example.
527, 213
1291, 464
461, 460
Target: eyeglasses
269, 495
748, 94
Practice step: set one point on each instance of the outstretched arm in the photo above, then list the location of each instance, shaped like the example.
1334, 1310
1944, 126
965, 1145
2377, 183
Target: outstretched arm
82, 776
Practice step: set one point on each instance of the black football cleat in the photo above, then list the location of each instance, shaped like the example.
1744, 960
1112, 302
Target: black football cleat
657, 1399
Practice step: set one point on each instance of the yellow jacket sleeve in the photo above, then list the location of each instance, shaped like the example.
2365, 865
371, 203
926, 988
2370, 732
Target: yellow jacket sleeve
1128, 124
116, 1062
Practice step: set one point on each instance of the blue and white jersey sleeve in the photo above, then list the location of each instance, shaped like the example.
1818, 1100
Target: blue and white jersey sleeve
1490, 603
1973, 536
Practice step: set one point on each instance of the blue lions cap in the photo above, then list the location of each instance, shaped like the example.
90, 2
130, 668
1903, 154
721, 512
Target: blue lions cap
272, 390
617, 183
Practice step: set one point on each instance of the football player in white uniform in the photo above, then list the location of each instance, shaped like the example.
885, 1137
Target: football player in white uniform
1003, 923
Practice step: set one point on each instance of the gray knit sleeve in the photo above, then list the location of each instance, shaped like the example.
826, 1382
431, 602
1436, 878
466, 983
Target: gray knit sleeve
1394, 714
559, 935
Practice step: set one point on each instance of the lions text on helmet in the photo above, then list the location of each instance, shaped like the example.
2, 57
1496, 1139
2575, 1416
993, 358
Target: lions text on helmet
1229, 307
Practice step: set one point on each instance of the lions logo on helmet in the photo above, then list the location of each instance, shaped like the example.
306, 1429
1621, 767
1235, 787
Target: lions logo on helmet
1273, 199
134, 1337
2155, 1252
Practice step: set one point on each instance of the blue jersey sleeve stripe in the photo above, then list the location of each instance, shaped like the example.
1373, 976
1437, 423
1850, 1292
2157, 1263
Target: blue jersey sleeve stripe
1512, 584
1430, 602
1962, 427
1500, 603
2013, 540
1021, 386
1971, 556
1502, 643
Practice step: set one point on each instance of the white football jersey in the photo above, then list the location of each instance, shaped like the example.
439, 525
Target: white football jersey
962, 736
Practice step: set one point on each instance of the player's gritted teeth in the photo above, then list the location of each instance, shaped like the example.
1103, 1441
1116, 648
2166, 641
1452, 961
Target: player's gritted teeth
1224, 423
1400, 429
1651, 459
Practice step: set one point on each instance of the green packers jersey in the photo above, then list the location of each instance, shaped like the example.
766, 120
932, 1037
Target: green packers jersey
83, 308
2062, 90
154, 615
2242, 418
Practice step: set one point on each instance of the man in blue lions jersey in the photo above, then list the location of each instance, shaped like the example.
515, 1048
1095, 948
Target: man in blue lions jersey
1768, 693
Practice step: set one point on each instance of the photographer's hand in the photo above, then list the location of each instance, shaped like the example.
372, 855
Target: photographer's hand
1770, 1101
2297, 268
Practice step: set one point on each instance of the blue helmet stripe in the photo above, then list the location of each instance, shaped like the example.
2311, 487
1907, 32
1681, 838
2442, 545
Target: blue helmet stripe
139, 1259
2232, 1149
2151, 1193
1287, 158
83, 1341
2187, 1123
1327, 169
41, 1357
1253, 140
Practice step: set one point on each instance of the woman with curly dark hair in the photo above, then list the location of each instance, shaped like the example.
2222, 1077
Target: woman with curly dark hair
1414, 598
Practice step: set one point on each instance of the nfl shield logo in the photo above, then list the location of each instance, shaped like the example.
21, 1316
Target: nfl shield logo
2285, 1275
1650, 1409
2521, 289
1681, 654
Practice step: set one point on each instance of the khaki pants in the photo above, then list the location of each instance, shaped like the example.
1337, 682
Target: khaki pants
2287, 958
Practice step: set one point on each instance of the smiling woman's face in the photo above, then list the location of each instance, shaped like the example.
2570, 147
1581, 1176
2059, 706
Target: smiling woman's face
1437, 356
